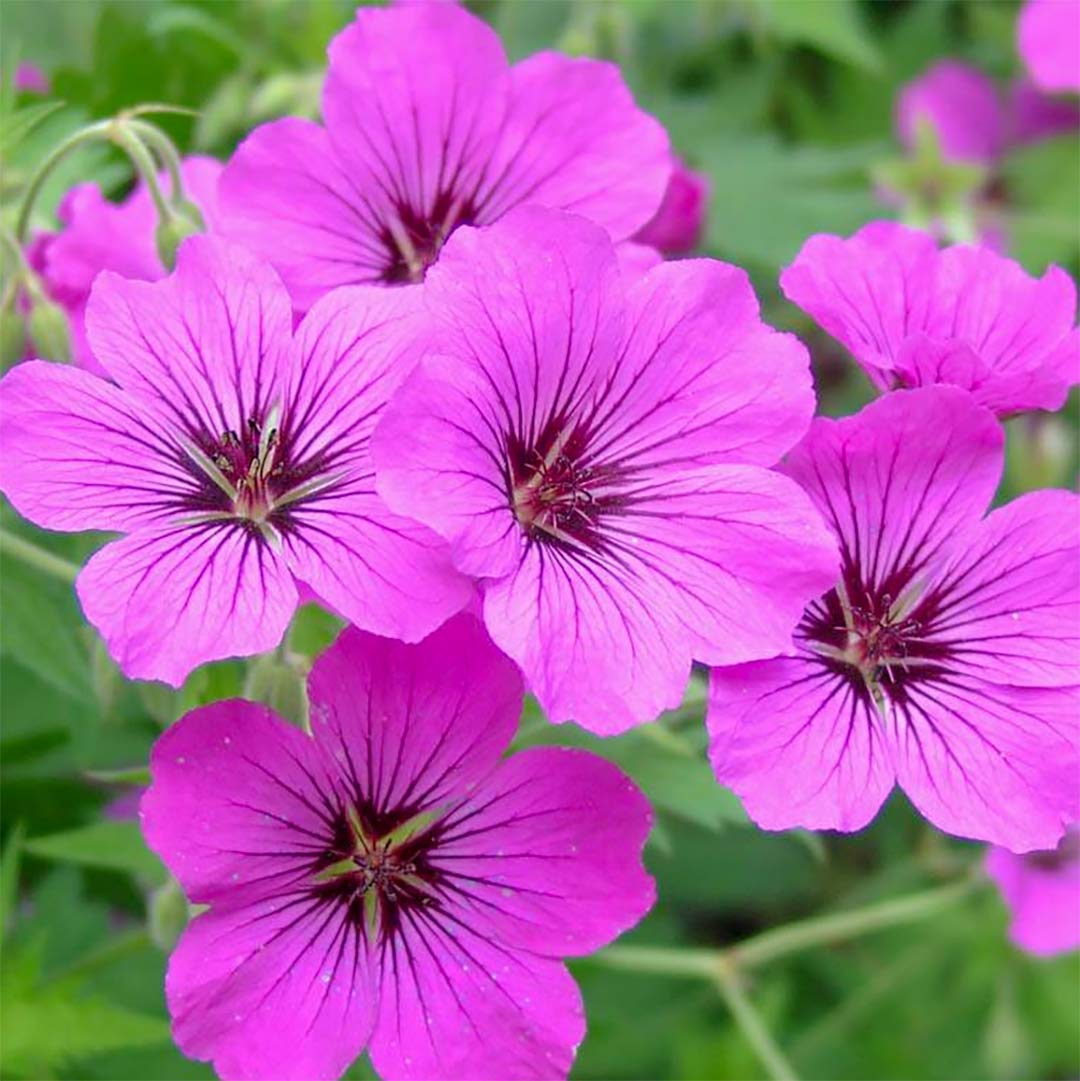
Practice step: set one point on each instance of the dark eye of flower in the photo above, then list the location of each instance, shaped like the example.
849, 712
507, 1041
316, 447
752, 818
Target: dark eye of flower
414, 239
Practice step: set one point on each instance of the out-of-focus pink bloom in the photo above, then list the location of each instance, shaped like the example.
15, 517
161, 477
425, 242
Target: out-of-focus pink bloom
677, 226
1048, 36
31, 79
1034, 116
913, 315
390, 881
1042, 890
428, 128
962, 106
232, 455
97, 235
596, 449
947, 657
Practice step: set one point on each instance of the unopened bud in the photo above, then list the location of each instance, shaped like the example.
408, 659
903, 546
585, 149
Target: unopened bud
48, 328
167, 915
279, 684
182, 221
12, 336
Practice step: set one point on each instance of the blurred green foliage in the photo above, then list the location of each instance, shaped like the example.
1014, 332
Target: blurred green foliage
787, 105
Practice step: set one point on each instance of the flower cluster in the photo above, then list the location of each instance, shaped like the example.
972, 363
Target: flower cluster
427, 371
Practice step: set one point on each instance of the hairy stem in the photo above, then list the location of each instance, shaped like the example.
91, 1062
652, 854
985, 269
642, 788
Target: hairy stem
39, 558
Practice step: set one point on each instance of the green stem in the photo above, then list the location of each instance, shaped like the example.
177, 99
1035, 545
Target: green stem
838, 926
90, 134
769, 945
726, 980
124, 135
162, 146
33, 556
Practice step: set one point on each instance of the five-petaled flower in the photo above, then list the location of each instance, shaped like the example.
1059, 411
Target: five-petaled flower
913, 315
947, 657
596, 453
390, 882
429, 128
234, 456
1042, 891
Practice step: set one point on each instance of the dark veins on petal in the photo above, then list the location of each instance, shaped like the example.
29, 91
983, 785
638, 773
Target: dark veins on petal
413, 239
878, 637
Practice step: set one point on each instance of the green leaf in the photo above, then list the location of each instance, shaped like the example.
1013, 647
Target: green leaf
23, 121
832, 27
43, 1028
9, 876
117, 846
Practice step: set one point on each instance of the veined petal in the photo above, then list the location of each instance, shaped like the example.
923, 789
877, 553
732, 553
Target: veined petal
574, 139
454, 1004
241, 804
272, 990
410, 727
991, 762
896, 480
76, 453
287, 196
384, 573
801, 744
1007, 602
167, 600
546, 854
202, 351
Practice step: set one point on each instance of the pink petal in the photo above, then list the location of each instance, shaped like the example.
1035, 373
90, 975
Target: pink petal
455, 1004
677, 225
169, 599
869, 292
799, 743
240, 803
962, 106
1010, 593
566, 829
411, 726
286, 196
384, 573
1044, 901
574, 139
988, 761
1049, 42
701, 379
203, 349
75, 452
896, 480
272, 991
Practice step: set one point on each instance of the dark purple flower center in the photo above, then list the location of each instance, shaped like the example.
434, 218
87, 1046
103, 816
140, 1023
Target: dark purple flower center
413, 240
558, 495
877, 637
379, 869
252, 475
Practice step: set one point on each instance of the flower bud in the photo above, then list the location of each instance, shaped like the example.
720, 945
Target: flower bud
48, 328
167, 915
182, 221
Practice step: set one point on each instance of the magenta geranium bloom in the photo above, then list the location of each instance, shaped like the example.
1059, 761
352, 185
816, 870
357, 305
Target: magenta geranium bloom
97, 235
429, 128
1042, 890
390, 883
677, 226
914, 315
947, 657
234, 457
963, 107
1048, 35
596, 453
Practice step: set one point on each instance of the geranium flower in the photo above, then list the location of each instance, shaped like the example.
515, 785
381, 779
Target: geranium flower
97, 235
913, 315
1048, 36
1042, 890
945, 659
429, 128
596, 451
390, 883
234, 458
676, 227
